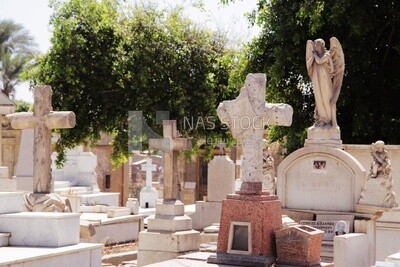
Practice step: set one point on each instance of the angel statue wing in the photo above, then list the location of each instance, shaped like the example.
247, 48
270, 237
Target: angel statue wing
337, 55
309, 57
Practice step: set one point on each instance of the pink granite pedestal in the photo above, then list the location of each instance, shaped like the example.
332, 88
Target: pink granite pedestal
260, 215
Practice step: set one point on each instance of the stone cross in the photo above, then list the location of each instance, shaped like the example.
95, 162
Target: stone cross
149, 168
170, 145
246, 117
221, 147
43, 119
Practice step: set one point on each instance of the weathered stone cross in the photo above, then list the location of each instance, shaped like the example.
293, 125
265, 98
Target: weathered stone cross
149, 168
170, 144
43, 119
246, 117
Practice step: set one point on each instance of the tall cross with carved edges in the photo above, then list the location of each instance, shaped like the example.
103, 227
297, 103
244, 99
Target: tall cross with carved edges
43, 119
170, 145
246, 117
149, 168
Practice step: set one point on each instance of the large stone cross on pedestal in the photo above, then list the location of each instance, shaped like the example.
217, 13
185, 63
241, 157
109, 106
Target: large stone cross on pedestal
246, 117
170, 145
43, 119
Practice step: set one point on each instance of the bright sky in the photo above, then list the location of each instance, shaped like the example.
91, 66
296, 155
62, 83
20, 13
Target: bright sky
34, 16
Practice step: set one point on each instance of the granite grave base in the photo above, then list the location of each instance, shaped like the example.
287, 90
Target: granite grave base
247, 226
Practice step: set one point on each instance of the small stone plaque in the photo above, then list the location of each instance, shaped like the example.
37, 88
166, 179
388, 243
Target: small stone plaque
240, 238
330, 228
338, 217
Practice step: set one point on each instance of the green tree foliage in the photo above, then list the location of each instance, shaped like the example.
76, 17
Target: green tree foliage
107, 59
22, 106
369, 32
17, 49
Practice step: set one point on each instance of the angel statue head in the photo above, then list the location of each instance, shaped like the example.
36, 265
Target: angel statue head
319, 47
325, 69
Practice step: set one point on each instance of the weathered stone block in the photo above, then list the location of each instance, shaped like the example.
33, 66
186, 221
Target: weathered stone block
299, 245
351, 250
169, 223
169, 242
50, 229
11, 202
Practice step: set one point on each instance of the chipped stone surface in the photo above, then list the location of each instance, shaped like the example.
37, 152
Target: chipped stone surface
299, 245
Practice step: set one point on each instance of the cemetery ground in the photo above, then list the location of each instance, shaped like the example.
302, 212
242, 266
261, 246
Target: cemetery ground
118, 248
123, 254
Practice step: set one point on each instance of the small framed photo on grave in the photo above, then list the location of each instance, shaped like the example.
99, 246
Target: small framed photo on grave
239, 241
319, 165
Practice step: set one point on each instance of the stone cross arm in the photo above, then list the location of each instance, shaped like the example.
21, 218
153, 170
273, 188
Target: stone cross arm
53, 120
278, 114
168, 144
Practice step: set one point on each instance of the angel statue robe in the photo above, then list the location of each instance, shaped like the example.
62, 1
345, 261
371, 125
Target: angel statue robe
325, 69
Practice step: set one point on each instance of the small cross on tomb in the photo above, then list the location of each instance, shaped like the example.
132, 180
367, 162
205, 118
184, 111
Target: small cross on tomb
170, 145
43, 119
149, 168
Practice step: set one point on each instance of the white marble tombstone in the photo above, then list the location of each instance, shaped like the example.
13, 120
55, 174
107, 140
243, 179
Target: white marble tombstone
24, 167
320, 178
78, 170
221, 182
221, 178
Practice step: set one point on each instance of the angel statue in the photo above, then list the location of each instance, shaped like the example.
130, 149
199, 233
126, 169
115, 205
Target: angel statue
326, 69
381, 162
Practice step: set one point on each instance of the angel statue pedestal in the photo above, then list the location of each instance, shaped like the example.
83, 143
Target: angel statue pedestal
325, 69
325, 136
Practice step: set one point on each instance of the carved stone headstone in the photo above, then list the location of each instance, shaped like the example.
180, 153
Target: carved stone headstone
221, 178
320, 178
220, 183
